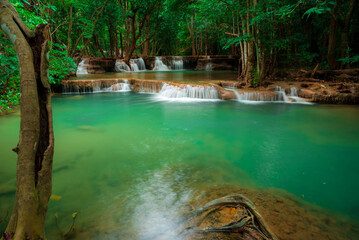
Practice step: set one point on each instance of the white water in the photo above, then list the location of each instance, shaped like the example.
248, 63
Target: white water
82, 68
140, 64
293, 92
188, 92
119, 87
96, 87
177, 63
121, 66
254, 97
136, 65
295, 97
159, 65
209, 67
281, 94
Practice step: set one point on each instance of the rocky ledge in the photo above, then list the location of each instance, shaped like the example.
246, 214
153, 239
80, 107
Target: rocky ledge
303, 91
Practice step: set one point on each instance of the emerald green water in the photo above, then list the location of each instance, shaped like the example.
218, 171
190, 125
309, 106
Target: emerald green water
124, 158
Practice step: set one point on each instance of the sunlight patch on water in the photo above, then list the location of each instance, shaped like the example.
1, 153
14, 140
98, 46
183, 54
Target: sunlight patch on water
161, 198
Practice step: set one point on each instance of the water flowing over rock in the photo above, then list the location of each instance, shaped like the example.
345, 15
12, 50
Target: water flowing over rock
209, 67
188, 91
279, 95
148, 86
94, 86
82, 68
257, 96
140, 64
136, 65
282, 96
121, 66
293, 92
119, 87
159, 65
177, 63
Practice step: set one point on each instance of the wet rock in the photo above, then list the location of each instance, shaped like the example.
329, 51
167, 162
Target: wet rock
306, 93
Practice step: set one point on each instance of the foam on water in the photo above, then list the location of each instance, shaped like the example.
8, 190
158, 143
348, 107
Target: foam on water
177, 63
188, 93
159, 65
119, 87
121, 66
81, 68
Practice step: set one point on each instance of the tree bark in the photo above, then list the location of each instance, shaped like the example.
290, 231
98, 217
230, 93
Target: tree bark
146, 46
345, 32
36, 141
69, 40
332, 58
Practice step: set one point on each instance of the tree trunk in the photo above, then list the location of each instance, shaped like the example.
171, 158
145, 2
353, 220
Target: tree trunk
69, 42
112, 34
146, 46
345, 33
332, 58
116, 43
191, 32
36, 141
121, 42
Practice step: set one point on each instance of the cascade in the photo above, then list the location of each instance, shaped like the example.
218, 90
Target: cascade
141, 64
294, 95
255, 96
159, 65
119, 87
150, 86
177, 63
121, 66
293, 92
82, 68
282, 96
93, 86
134, 66
87, 87
209, 66
188, 91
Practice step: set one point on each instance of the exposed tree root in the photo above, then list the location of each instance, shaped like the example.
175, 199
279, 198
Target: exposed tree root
250, 225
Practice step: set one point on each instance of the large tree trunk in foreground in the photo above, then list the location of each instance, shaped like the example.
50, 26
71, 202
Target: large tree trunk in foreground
36, 142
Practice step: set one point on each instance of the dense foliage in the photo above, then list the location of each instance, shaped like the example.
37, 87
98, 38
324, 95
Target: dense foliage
266, 35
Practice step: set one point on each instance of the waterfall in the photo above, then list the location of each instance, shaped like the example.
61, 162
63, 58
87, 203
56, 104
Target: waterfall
82, 68
93, 86
177, 63
119, 87
141, 64
85, 87
121, 66
188, 91
293, 92
281, 94
255, 97
134, 66
150, 86
209, 67
295, 97
159, 65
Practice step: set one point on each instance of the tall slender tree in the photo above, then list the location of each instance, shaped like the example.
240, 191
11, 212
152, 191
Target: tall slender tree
36, 142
